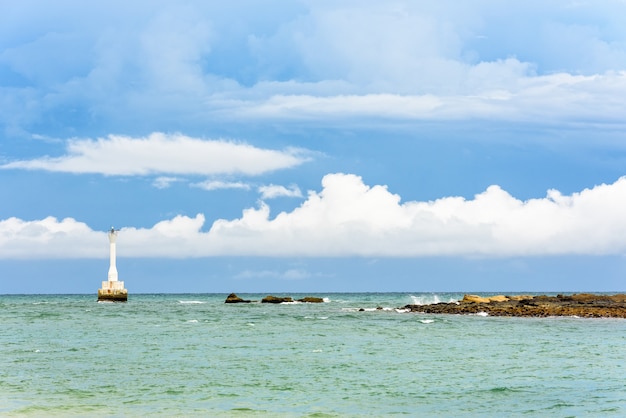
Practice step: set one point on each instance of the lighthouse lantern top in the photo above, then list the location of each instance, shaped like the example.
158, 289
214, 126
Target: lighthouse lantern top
112, 235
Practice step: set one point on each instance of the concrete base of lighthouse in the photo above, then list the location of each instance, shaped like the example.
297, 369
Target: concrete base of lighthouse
112, 291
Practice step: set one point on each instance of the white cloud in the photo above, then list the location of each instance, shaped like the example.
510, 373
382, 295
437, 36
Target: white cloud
161, 153
349, 218
218, 185
197, 63
384, 45
172, 47
273, 191
50, 238
164, 182
558, 98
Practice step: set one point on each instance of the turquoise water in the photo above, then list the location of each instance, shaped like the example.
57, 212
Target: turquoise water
193, 355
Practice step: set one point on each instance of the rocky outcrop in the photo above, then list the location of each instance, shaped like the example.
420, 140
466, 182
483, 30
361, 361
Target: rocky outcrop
480, 299
582, 305
474, 299
276, 299
233, 298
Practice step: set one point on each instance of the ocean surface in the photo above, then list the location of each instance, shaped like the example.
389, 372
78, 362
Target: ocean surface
193, 355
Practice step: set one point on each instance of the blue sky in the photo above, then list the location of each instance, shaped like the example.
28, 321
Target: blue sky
313, 146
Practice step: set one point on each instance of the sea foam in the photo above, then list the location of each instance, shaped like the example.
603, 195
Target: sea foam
428, 299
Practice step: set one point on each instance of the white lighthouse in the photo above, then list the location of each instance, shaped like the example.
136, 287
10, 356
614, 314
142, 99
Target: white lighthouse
112, 289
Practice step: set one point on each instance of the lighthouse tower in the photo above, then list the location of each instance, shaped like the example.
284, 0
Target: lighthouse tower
112, 289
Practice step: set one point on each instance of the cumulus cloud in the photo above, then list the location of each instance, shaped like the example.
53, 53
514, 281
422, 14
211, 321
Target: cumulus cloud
350, 218
160, 153
273, 191
50, 238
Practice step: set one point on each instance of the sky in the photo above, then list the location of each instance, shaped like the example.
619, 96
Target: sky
313, 146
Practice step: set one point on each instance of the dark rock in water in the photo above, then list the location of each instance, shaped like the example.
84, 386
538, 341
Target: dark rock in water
233, 298
311, 299
276, 299
581, 305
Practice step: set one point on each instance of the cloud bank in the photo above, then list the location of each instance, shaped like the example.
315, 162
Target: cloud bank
114, 64
349, 218
570, 100
159, 153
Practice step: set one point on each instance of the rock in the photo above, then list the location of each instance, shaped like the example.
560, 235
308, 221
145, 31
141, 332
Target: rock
586, 298
474, 299
619, 298
519, 297
275, 299
233, 298
311, 299
581, 305
498, 298
479, 299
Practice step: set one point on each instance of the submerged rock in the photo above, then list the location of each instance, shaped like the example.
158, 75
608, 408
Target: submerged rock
582, 305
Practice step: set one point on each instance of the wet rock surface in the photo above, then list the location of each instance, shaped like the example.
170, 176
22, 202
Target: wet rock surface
582, 305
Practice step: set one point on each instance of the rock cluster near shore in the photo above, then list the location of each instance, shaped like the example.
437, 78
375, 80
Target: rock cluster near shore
233, 298
581, 305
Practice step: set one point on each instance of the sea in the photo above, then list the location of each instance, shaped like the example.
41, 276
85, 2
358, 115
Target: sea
355, 355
